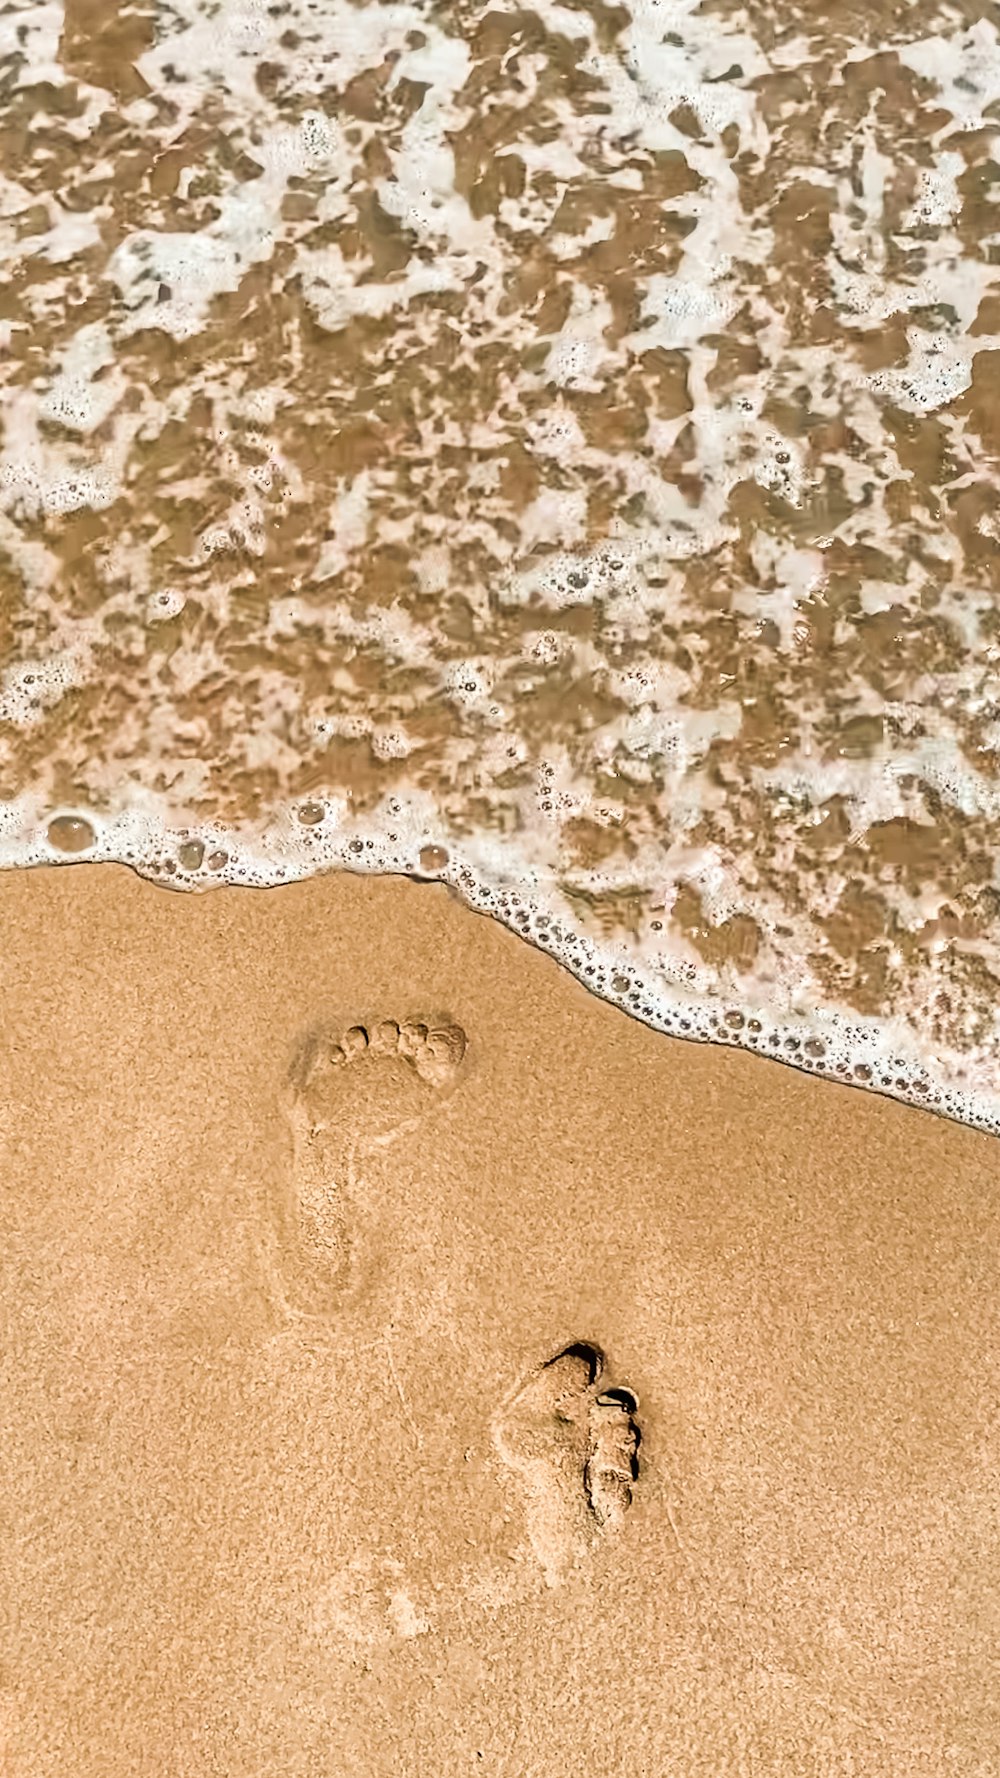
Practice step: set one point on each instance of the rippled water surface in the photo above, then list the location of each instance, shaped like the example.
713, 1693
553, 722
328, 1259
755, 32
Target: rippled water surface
551, 448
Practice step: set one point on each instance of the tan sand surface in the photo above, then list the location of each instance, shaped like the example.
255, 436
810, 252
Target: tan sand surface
289, 1485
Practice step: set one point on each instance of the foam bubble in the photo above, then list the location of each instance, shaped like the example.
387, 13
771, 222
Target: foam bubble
70, 833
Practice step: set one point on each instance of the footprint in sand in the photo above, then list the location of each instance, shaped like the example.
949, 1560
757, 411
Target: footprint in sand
574, 1442
349, 1098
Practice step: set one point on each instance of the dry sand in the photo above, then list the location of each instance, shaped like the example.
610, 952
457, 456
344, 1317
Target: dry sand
286, 1490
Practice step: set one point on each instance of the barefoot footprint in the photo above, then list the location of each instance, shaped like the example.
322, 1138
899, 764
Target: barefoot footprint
575, 1446
348, 1099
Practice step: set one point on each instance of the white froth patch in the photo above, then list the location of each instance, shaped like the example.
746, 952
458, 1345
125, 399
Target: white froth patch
392, 743
469, 685
220, 50
545, 647
163, 604
316, 144
938, 201
169, 281
556, 432
74, 399
579, 357
391, 630
331, 290
779, 467
935, 373
44, 483
871, 792
32, 687
432, 567
965, 68
949, 280
790, 577
659, 735
63, 235
30, 36
349, 526
673, 57
680, 311
42, 473
421, 192
555, 516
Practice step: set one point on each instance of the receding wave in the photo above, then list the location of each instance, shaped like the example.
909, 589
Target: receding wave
553, 450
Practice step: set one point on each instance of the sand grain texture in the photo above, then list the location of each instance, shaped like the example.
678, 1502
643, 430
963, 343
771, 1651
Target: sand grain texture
282, 1491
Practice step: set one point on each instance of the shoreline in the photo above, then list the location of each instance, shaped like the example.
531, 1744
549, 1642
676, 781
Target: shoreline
828, 1044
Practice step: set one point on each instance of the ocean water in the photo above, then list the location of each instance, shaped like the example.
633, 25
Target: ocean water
548, 449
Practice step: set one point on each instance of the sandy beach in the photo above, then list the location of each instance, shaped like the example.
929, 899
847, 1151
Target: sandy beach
412, 1364
497, 502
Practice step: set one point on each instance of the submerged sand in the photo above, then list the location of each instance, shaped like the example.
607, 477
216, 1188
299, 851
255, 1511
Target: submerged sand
286, 1485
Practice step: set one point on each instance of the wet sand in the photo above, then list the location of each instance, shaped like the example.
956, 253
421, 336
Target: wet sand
287, 1485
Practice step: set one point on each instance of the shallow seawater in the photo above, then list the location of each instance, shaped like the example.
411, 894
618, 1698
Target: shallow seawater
551, 449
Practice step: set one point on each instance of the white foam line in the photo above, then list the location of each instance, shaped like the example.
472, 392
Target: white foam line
854, 1050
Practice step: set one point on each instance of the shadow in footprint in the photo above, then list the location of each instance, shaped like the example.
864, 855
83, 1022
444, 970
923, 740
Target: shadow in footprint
575, 1447
612, 1466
